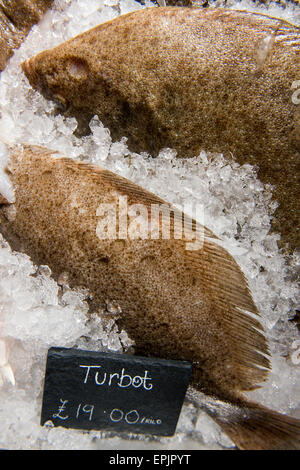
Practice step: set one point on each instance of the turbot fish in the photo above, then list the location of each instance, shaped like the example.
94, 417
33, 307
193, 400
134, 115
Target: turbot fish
190, 79
182, 296
16, 19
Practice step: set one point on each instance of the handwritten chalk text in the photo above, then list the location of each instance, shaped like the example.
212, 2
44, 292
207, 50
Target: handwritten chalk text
121, 380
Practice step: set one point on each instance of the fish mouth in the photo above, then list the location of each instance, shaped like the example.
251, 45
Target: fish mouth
39, 83
61, 103
29, 70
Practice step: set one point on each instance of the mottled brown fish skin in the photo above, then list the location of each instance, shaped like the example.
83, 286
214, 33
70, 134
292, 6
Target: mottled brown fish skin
190, 79
16, 19
176, 304
163, 289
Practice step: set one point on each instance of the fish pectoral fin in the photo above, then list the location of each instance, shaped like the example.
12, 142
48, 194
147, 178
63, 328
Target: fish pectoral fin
37, 149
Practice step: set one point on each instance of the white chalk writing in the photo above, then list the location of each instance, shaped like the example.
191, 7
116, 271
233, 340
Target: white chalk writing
61, 409
122, 379
296, 95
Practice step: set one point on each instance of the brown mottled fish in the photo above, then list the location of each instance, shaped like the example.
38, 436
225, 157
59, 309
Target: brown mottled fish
16, 19
190, 79
177, 303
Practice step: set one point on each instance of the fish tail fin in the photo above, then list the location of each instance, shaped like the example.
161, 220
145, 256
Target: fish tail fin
254, 427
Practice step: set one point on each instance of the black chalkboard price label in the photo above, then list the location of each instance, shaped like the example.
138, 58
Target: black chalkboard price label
114, 392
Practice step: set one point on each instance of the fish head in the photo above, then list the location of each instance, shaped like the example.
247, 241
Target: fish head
58, 75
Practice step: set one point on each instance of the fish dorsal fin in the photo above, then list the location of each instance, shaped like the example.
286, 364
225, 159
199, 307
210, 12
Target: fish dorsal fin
143, 196
283, 31
139, 195
238, 314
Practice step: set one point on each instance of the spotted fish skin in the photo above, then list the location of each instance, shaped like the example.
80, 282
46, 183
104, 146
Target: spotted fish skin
16, 19
189, 79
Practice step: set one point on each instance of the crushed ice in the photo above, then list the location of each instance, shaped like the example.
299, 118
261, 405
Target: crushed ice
6, 187
37, 313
